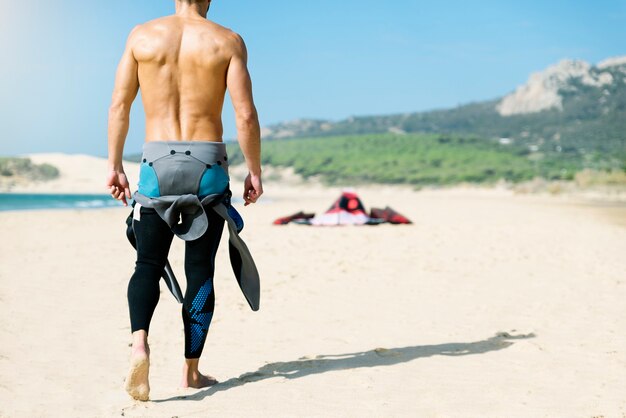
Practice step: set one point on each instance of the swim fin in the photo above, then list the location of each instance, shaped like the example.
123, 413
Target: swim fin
240, 259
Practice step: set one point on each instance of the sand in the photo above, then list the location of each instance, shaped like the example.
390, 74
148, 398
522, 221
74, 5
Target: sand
78, 173
490, 305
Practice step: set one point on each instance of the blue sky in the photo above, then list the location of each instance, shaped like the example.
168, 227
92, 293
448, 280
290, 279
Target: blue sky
308, 59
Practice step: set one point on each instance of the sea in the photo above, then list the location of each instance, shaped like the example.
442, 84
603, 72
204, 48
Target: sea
37, 201
34, 201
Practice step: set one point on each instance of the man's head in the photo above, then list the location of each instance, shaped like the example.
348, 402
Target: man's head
201, 5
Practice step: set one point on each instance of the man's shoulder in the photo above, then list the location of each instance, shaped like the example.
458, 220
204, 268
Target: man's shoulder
165, 26
144, 29
227, 38
158, 28
226, 33
160, 23
169, 22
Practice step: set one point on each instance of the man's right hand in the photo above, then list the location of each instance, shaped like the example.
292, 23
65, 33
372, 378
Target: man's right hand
252, 189
118, 186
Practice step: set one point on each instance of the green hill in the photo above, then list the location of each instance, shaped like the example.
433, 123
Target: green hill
417, 159
584, 121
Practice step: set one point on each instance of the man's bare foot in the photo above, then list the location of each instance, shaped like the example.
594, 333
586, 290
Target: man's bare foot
137, 384
192, 378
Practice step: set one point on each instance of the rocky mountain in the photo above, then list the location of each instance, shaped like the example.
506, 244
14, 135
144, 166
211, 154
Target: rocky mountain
571, 107
543, 89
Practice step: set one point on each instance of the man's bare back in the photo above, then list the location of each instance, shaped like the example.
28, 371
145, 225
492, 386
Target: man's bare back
182, 69
184, 64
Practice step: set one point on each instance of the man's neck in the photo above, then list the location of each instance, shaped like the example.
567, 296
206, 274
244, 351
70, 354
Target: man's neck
184, 9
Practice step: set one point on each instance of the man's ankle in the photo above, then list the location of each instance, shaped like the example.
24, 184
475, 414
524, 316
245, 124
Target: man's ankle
140, 348
191, 365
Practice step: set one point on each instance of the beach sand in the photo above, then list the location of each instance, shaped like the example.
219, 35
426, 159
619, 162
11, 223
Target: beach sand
78, 173
490, 305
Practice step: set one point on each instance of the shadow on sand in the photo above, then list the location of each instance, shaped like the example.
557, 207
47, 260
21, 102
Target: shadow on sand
377, 357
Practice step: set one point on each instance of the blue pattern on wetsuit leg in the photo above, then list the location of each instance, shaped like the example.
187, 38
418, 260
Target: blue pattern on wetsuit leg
232, 212
200, 327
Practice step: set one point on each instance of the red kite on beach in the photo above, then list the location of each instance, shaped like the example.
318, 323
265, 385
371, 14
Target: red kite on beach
347, 210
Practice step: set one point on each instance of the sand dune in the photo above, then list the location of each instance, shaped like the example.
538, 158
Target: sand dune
490, 305
79, 173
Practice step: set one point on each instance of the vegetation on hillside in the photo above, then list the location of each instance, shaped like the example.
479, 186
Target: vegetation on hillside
471, 143
591, 127
413, 159
11, 167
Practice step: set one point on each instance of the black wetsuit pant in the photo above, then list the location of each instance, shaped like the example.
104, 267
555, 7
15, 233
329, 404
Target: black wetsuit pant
154, 238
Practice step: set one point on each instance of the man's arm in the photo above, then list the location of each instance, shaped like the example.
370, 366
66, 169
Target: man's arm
248, 129
124, 93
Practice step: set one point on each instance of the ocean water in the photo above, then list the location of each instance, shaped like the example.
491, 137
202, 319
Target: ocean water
33, 201
27, 201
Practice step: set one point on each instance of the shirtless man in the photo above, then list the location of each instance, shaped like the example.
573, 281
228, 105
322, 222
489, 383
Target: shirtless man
184, 64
